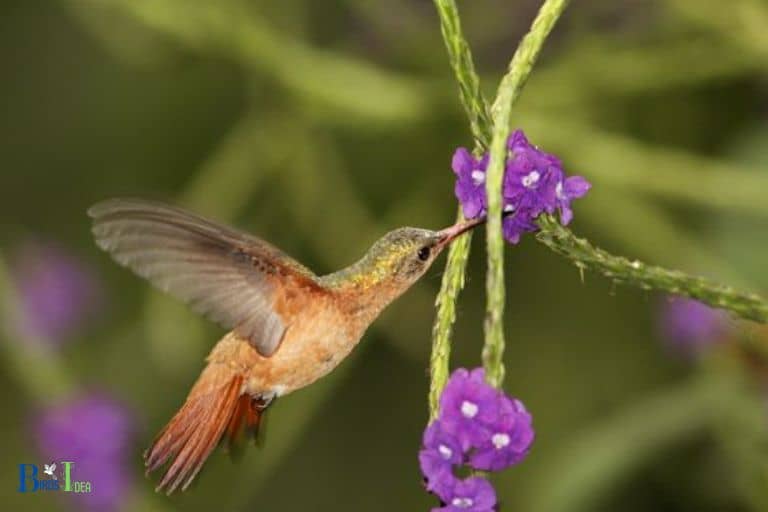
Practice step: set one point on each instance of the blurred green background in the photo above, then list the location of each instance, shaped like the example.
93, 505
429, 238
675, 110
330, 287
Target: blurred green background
321, 125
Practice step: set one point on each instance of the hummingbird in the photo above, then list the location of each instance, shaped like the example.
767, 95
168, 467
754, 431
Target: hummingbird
287, 326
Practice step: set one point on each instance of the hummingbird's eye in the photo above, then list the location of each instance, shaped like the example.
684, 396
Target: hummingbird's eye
423, 253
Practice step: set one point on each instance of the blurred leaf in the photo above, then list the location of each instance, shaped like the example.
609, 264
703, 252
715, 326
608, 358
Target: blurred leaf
742, 21
340, 82
744, 240
133, 42
741, 428
249, 153
596, 68
175, 336
598, 459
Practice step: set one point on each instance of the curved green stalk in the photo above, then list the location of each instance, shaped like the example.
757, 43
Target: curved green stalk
621, 270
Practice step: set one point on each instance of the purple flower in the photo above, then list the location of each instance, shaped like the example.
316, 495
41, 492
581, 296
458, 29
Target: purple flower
572, 187
514, 225
95, 434
509, 441
475, 494
442, 451
469, 407
531, 177
477, 424
690, 325
534, 182
57, 293
470, 182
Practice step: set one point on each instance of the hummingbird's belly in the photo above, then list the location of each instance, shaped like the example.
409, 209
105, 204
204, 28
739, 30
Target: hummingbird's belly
314, 344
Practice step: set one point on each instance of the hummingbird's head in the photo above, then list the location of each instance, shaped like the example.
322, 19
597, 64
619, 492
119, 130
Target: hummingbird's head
391, 266
402, 256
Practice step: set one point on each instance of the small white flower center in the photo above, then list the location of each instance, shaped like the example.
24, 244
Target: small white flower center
559, 190
478, 177
445, 451
500, 440
468, 409
509, 208
531, 179
462, 502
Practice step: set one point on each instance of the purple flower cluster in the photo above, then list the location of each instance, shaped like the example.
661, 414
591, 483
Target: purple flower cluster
534, 183
96, 434
690, 326
479, 426
57, 292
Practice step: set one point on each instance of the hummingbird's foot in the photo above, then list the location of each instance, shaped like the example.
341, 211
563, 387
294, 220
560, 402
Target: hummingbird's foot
265, 400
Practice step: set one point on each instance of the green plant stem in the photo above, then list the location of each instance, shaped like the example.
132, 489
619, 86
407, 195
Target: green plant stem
526, 55
621, 270
493, 349
452, 283
460, 58
509, 91
477, 110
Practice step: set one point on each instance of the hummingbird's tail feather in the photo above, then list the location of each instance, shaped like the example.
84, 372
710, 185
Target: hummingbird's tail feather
245, 418
193, 433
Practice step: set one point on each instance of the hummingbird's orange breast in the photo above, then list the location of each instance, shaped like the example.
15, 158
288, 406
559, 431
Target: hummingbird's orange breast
322, 329
316, 340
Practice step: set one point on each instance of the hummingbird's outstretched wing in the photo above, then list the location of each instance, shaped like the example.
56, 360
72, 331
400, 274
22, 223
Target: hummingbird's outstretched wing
233, 278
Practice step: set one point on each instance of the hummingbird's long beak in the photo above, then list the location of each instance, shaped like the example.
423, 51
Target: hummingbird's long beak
449, 234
